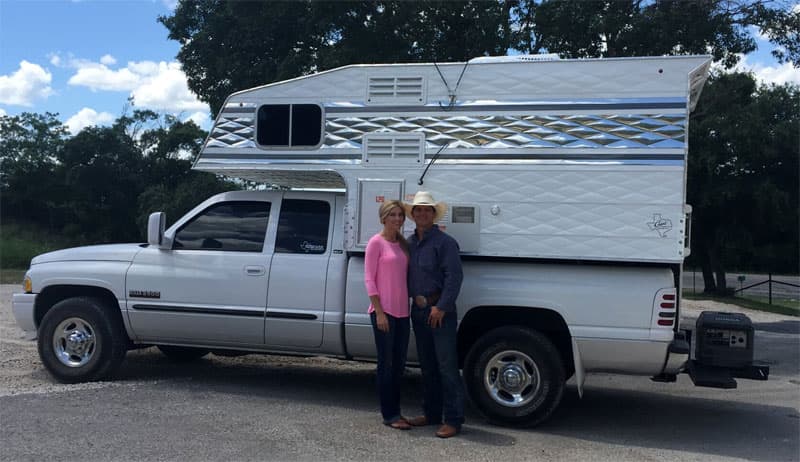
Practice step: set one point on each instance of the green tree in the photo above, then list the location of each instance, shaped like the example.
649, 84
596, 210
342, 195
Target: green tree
229, 45
613, 28
101, 169
30, 145
743, 178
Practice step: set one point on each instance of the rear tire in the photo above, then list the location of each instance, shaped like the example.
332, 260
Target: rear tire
514, 376
81, 340
182, 354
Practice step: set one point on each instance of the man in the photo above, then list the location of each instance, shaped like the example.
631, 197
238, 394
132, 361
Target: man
434, 280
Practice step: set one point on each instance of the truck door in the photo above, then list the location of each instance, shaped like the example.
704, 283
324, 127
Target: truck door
211, 287
296, 299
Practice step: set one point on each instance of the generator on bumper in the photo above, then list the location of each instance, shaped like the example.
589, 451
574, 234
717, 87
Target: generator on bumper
723, 345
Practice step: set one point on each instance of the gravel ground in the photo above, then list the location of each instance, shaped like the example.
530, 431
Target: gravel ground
260, 407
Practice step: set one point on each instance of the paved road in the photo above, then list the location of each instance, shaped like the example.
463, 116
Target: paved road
278, 408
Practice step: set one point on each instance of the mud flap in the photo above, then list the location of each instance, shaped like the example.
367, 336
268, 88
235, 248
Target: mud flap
580, 374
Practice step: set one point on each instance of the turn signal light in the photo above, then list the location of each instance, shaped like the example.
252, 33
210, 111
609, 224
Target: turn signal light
27, 285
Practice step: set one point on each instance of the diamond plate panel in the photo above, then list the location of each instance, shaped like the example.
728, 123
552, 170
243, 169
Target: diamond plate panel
524, 131
486, 132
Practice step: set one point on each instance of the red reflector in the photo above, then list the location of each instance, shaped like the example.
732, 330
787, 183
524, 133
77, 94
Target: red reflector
667, 305
665, 322
668, 296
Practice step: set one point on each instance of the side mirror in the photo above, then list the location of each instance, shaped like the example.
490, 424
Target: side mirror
155, 228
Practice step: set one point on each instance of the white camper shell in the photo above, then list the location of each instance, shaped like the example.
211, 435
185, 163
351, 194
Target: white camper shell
537, 158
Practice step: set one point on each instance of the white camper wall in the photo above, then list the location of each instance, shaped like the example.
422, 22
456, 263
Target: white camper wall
572, 159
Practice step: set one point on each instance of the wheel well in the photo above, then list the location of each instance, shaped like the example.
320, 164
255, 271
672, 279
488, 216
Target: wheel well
54, 294
480, 320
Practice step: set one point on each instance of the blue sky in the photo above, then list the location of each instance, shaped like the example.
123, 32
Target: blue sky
83, 59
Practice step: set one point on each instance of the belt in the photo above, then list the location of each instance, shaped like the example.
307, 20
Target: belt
423, 301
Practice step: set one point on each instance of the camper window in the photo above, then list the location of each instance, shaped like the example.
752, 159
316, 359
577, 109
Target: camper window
289, 125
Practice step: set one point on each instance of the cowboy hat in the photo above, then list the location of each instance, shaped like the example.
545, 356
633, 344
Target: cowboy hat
425, 198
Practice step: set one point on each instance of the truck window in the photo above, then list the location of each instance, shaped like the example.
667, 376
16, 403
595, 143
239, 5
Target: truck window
289, 126
228, 226
303, 227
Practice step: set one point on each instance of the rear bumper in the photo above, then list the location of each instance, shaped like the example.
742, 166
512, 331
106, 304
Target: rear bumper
22, 306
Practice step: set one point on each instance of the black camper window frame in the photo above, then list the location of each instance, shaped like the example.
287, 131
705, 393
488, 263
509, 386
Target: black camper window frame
290, 126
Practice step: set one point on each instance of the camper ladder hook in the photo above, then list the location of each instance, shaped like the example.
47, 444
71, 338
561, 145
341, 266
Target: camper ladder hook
433, 159
450, 93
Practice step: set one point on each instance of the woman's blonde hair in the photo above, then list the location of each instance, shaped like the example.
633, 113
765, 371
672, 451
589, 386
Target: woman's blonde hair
384, 211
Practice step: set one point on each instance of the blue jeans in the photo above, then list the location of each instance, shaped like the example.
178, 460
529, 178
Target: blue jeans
438, 357
391, 348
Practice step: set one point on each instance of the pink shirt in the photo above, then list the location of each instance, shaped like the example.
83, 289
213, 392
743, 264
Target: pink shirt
385, 269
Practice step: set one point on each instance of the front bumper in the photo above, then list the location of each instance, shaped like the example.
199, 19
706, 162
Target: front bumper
22, 306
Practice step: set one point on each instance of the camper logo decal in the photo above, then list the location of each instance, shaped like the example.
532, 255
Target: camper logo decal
310, 247
660, 225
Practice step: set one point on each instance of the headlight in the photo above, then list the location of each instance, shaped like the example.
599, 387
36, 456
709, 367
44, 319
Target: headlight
27, 285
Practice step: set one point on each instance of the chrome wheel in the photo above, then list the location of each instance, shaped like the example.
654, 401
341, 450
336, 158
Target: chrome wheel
512, 378
74, 342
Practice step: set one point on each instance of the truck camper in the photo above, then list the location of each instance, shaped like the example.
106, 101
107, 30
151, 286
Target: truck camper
566, 189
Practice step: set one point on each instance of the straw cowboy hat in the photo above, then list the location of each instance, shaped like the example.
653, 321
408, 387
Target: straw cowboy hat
425, 198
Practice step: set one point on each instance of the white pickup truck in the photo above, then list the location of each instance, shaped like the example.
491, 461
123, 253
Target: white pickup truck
254, 271
566, 181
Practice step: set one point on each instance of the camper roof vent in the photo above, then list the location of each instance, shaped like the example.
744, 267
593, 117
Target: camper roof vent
394, 89
393, 148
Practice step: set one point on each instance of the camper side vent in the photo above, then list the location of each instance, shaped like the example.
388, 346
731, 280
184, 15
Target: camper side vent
388, 90
393, 148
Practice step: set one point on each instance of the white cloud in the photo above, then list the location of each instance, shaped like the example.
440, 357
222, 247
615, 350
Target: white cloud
99, 77
87, 117
201, 118
167, 89
159, 86
29, 83
775, 73
2, 112
108, 60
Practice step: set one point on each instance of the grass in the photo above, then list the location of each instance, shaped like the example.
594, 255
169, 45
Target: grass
11, 276
19, 243
786, 307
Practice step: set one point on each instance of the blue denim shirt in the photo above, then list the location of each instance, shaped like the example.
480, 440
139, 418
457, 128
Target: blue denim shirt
435, 267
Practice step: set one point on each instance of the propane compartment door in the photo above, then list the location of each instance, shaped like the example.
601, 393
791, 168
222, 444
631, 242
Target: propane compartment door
371, 194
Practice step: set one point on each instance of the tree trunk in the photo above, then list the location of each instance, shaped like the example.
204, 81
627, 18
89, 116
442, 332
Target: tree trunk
722, 285
710, 286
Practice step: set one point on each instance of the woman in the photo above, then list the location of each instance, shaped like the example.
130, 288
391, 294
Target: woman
385, 268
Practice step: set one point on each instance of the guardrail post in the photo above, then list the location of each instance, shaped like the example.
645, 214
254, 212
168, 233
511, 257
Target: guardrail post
770, 288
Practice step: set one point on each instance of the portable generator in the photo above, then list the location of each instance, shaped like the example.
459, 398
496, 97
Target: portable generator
723, 339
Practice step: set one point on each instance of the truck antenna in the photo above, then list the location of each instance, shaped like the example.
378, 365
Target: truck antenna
433, 159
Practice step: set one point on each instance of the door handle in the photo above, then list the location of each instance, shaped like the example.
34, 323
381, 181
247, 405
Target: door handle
254, 270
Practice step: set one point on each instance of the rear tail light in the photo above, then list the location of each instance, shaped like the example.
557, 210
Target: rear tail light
665, 311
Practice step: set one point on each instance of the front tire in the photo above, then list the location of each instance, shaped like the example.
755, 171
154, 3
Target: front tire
515, 376
80, 340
